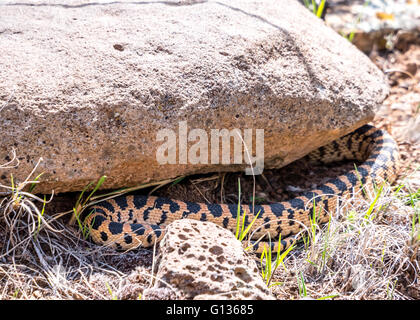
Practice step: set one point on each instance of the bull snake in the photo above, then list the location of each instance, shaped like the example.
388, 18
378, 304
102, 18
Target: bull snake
133, 221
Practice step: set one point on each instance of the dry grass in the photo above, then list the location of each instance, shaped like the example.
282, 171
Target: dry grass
359, 256
41, 257
356, 256
58, 264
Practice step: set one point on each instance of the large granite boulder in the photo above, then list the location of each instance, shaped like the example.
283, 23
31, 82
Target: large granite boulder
88, 85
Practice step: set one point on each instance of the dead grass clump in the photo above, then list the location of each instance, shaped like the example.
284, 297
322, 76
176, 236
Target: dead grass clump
43, 258
370, 251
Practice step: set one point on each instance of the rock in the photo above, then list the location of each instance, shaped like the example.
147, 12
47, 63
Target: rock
200, 260
412, 131
411, 68
88, 85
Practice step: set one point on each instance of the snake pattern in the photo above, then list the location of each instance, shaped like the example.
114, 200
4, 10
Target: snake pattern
133, 221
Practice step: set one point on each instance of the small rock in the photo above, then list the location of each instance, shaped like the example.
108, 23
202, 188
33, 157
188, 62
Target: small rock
207, 262
411, 68
293, 188
358, 276
118, 47
412, 132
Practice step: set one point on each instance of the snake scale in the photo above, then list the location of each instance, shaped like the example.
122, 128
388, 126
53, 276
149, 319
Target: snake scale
133, 221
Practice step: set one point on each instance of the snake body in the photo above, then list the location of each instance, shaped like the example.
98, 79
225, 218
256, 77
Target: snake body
133, 221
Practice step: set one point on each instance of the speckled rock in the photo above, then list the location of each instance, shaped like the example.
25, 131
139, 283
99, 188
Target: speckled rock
87, 85
200, 260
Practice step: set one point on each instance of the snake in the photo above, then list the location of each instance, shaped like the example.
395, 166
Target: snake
132, 221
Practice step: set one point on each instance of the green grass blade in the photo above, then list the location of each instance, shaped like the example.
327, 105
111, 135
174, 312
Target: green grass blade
79, 200
372, 205
98, 185
284, 255
238, 213
261, 262
314, 6
41, 215
360, 180
33, 185
268, 263
178, 180
320, 9
244, 233
302, 286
